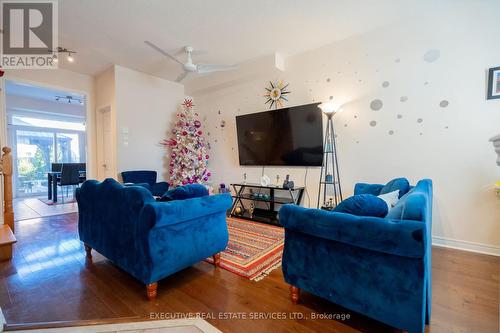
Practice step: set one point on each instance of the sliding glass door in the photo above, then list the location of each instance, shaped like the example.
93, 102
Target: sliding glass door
67, 147
35, 151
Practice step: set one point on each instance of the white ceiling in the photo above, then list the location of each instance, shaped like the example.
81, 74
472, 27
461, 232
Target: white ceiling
104, 32
38, 92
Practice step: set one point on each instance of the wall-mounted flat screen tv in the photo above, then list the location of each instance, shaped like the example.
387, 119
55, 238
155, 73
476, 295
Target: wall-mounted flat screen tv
289, 136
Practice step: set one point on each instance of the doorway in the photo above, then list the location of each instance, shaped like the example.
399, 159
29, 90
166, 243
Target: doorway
104, 137
45, 126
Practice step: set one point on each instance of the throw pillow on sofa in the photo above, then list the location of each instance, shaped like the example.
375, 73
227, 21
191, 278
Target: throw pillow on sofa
363, 205
400, 184
185, 192
391, 199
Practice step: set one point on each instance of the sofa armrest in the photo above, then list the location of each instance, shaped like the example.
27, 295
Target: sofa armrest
159, 189
158, 214
402, 238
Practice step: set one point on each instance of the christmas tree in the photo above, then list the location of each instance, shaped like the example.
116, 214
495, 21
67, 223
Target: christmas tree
188, 156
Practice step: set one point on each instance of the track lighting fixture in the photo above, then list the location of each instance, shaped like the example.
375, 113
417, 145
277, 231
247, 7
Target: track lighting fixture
70, 99
55, 54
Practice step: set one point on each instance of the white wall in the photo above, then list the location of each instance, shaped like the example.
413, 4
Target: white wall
450, 144
143, 108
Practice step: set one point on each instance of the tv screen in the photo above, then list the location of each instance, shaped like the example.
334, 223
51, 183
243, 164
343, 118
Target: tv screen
290, 136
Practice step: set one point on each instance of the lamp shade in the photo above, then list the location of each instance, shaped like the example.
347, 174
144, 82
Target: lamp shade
329, 108
496, 144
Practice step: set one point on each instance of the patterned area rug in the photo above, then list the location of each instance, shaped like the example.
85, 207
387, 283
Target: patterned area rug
254, 249
194, 325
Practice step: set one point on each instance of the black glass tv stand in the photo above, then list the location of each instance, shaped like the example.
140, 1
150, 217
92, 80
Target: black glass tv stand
247, 196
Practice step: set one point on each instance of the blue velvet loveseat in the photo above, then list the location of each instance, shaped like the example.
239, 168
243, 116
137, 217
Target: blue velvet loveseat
380, 267
147, 179
148, 239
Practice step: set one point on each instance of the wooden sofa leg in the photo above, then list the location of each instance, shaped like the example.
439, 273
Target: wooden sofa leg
88, 250
216, 259
152, 290
294, 294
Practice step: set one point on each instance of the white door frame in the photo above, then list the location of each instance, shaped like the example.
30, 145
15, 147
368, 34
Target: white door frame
89, 125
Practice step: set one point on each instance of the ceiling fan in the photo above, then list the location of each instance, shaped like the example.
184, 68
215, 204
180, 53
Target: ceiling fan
189, 66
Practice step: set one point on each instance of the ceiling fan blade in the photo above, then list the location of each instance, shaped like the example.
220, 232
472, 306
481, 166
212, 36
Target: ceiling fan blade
163, 52
181, 76
214, 68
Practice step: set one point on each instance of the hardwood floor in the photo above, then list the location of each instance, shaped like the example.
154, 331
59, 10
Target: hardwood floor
49, 279
32, 207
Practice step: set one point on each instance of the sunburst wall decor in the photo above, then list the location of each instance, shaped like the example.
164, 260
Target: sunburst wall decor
275, 94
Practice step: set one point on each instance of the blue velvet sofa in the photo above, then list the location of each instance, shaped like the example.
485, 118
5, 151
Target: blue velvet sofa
145, 179
380, 267
148, 239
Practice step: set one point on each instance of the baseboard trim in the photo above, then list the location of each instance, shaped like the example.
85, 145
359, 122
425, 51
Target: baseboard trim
466, 246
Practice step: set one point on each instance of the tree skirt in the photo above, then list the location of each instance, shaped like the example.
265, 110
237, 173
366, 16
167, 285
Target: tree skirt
254, 249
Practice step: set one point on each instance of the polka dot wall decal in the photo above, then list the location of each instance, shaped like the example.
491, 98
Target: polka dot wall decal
345, 125
444, 103
391, 132
328, 80
355, 117
385, 84
420, 120
373, 123
403, 99
357, 141
376, 105
426, 83
432, 55
399, 116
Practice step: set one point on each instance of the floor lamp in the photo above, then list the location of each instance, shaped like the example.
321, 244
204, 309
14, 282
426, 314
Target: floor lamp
496, 145
329, 181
